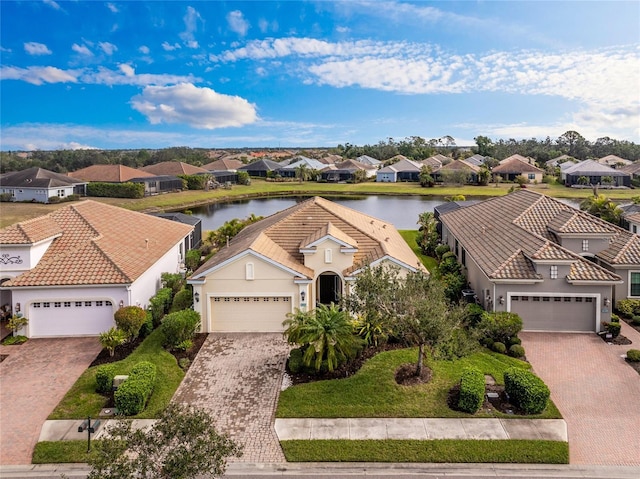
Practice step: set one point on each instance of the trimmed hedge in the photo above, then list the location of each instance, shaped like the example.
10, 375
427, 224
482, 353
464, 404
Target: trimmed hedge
132, 395
179, 327
295, 363
633, 355
160, 304
499, 348
130, 319
628, 307
471, 390
526, 390
104, 378
116, 190
182, 300
516, 351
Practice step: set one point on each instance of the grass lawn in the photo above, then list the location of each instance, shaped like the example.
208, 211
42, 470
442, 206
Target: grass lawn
373, 391
410, 237
444, 450
82, 400
60, 452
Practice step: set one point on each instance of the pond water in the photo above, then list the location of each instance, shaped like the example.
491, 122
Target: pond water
401, 211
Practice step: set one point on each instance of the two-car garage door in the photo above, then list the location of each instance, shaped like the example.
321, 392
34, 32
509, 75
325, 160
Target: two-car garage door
555, 313
249, 314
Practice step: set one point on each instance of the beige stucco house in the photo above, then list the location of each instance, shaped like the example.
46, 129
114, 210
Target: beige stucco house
307, 254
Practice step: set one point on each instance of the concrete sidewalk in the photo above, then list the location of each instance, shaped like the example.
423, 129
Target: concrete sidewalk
421, 429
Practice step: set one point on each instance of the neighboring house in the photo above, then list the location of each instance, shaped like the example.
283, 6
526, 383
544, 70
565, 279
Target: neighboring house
346, 171
457, 165
403, 170
631, 217
594, 173
173, 168
69, 271
559, 268
476, 160
510, 169
613, 161
524, 159
560, 160
194, 240
331, 159
368, 160
289, 171
153, 184
224, 164
260, 168
307, 254
37, 184
432, 162
633, 170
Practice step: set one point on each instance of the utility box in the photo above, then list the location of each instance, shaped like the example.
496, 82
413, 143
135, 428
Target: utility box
118, 380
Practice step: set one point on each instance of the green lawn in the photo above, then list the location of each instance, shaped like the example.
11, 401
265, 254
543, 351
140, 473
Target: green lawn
410, 237
445, 450
60, 452
373, 391
82, 400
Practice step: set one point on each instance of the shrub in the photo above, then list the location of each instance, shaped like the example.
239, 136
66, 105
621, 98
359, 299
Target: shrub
132, 395
500, 325
514, 340
54, 200
453, 283
173, 281
527, 391
195, 182
612, 328
182, 300
147, 327
130, 319
487, 342
473, 314
184, 363
471, 390
104, 378
6, 197
112, 338
635, 320
116, 190
160, 304
17, 322
244, 178
449, 264
628, 307
499, 347
516, 351
633, 355
179, 327
441, 250
372, 329
615, 318
192, 259
11, 340
294, 363
185, 345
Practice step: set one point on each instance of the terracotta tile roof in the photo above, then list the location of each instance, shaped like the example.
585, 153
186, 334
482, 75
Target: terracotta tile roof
30, 231
173, 168
99, 244
635, 217
459, 165
109, 173
506, 235
280, 236
328, 230
224, 164
515, 165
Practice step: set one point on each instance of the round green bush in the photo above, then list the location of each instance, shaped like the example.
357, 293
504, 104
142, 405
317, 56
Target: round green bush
635, 320
295, 361
633, 355
516, 351
499, 348
514, 340
130, 319
471, 390
487, 342
104, 378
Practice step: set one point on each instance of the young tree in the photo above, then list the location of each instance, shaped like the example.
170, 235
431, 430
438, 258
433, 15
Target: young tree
428, 237
182, 444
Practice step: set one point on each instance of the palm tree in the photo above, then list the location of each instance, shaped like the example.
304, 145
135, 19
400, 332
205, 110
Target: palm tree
303, 172
602, 207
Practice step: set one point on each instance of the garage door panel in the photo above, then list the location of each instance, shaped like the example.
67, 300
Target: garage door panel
69, 320
548, 313
249, 314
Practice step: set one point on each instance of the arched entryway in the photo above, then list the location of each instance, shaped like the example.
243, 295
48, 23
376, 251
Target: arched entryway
329, 288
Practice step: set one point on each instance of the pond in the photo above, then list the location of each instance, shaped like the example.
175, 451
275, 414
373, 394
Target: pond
401, 211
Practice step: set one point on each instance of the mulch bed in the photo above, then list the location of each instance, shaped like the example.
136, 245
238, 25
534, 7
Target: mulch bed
619, 340
406, 375
499, 404
634, 364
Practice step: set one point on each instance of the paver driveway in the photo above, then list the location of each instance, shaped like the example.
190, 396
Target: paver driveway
596, 392
237, 378
33, 380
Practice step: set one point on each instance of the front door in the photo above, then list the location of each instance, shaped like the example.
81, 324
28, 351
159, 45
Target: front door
329, 288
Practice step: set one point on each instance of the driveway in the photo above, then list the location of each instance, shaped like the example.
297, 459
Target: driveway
33, 379
237, 378
596, 392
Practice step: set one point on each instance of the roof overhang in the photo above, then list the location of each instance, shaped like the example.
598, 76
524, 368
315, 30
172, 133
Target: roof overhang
379, 261
516, 281
594, 283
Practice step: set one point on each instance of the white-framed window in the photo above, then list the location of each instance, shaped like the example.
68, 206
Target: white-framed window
36, 305
78, 304
87, 303
328, 255
585, 245
553, 271
61, 193
67, 304
634, 283
249, 272
532, 176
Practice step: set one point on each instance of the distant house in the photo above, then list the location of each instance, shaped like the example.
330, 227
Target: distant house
633, 170
613, 161
37, 184
194, 240
560, 160
346, 171
510, 169
432, 162
261, 168
476, 160
368, 160
594, 173
70, 271
457, 165
289, 171
173, 168
331, 159
524, 159
224, 164
153, 184
403, 170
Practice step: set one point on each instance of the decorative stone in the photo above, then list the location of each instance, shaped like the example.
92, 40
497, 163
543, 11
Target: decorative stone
493, 395
106, 412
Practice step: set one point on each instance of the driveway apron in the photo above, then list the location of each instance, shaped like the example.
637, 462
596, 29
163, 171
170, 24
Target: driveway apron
596, 392
33, 379
237, 378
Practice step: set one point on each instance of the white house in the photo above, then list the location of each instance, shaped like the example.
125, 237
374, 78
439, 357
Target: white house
38, 184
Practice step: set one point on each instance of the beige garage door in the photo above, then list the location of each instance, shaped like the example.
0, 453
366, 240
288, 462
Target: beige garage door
555, 313
249, 314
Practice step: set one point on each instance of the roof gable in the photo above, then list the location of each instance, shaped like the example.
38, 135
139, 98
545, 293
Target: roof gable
109, 173
173, 168
37, 178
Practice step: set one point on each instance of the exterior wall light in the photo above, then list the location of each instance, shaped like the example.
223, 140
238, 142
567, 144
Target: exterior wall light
501, 299
302, 296
197, 297
17, 307
121, 304
607, 302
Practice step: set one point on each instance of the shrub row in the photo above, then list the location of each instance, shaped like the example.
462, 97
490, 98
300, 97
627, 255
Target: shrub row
132, 395
116, 190
471, 390
633, 355
160, 304
526, 390
179, 327
104, 378
629, 307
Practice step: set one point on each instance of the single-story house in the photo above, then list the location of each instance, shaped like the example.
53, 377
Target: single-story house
560, 160
346, 171
457, 165
260, 168
631, 217
403, 170
368, 160
69, 271
305, 255
633, 170
194, 240
476, 159
224, 164
289, 171
153, 184
432, 162
559, 268
613, 161
173, 168
595, 173
510, 169
37, 184
524, 159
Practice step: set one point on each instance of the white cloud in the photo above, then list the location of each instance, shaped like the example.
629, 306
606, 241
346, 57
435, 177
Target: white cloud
169, 48
191, 20
112, 7
39, 75
343, 29
237, 22
35, 48
52, 4
6, 50
263, 25
128, 70
107, 47
192, 44
81, 49
197, 107
144, 49
261, 71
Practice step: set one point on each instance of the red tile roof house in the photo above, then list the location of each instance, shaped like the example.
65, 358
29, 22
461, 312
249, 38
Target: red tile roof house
69, 271
559, 268
153, 184
307, 254
511, 168
37, 184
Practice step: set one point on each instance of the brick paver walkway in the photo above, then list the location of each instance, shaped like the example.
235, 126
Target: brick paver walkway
33, 380
237, 377
596, 392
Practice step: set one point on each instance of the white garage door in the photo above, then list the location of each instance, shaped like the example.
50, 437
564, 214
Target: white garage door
69, 318
555, 313
249, 314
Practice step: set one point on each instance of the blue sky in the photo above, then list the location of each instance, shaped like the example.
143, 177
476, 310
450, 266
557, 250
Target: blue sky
132, 74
